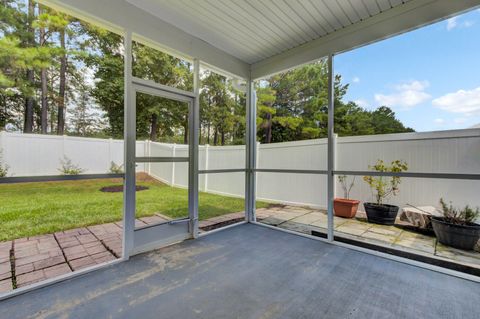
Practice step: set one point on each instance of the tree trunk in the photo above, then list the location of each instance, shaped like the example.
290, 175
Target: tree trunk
154, 127
61, 93
44, 85
223, 137
29, 100
185, 130
215, 136
268, 129
208, 134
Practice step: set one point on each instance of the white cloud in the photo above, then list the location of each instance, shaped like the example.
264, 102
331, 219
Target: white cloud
439, 121
413, 86
466, 102
356, 79
362, 103
460, 120
454, 22
406, 95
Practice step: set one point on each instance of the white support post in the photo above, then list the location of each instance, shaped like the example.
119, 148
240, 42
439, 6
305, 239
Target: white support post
194, 128
129, 152
331, 147
251, 153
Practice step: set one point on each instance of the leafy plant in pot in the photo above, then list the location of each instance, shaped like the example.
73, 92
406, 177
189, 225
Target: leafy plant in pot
345, 207
457, 227
382, 187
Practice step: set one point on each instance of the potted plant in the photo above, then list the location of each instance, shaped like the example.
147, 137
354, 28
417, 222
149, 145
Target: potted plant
382, 187
457, 227
345, 207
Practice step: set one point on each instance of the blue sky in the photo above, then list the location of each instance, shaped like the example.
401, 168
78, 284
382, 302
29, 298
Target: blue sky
430, 77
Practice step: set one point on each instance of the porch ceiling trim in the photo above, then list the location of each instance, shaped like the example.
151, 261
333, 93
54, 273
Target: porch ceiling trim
411, 15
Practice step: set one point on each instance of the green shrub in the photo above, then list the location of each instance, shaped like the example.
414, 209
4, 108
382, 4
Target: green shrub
458, 216
68, 168
384, 186
3, 167
115, 169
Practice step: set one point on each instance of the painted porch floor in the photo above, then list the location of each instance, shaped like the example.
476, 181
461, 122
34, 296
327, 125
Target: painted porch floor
250, 271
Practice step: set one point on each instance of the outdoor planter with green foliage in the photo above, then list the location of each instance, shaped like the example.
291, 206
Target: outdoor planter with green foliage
345, 207
382, 187
457, 227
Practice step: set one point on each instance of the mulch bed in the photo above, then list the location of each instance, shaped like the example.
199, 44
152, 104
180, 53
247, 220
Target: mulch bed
119, 188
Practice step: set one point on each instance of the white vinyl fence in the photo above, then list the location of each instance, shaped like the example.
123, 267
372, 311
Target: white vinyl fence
434, 152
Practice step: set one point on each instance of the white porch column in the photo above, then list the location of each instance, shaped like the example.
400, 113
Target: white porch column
129, 151
251, 152
194, 128
331, 147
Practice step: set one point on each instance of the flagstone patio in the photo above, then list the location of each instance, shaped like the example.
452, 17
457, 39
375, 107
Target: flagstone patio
307, 220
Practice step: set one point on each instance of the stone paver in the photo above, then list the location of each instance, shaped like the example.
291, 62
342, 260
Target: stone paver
416, 241
309, 218
5, 285
358, 228
353, 228
82, 248
149, 220
462, 256
110, 235
5, 266
33, 255
382, 238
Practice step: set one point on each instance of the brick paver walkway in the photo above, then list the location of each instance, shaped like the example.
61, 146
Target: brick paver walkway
29, 260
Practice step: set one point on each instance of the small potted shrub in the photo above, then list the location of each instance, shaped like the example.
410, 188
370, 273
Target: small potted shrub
382, 187
457, 227
345, 207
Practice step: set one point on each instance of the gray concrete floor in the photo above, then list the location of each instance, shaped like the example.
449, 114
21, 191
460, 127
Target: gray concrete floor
251, 271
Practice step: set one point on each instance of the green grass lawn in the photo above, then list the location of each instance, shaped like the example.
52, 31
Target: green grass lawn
29, 209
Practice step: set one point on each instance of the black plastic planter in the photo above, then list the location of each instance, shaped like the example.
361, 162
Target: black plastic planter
457, 236
381, 214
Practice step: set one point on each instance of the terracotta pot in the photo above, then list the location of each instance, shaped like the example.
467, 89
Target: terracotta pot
345, 207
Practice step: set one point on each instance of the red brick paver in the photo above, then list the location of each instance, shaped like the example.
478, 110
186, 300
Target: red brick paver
82, 248
5, 266
6, 285
110, 236
47, 256
33, 255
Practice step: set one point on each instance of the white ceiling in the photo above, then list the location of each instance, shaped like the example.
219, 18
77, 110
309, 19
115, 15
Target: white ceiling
253, 30
257, 38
